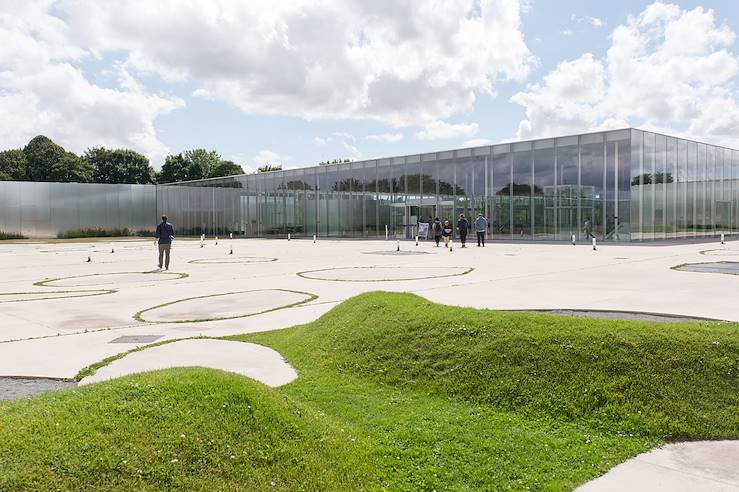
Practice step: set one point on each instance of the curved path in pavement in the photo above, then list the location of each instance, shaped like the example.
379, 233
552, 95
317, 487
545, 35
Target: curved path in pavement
248, 359
686, 466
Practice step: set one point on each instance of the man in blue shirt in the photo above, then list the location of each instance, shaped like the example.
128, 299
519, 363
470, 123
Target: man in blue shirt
165, 235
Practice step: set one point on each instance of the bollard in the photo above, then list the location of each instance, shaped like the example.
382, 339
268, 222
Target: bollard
230, 235
386, 233
231, 251
112, 249
416, 240
89, 260
216, 240
202, 238
722, 238
398, 248
314, 239
594, 246
288, 236
450, 245
573, 239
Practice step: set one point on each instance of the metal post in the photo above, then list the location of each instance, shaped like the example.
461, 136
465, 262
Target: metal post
314, 239
573, 240
288, 236
594, 245
386, 232
722, 238
398, 248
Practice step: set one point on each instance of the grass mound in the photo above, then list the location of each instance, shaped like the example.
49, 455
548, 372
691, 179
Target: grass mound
394, 393
180, 429
667, 380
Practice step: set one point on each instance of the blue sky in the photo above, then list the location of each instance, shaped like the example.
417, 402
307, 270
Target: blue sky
131, 80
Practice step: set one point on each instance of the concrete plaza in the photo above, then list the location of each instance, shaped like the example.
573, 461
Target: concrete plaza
64, 324
60, 312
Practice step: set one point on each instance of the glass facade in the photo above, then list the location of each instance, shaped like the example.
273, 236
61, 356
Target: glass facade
47, 209
621, 185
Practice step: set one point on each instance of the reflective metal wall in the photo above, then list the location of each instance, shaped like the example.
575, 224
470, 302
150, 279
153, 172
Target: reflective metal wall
47, 209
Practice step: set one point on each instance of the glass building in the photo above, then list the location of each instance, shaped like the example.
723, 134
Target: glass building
622, 185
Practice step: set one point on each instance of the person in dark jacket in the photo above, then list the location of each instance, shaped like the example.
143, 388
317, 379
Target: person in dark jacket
165, 235
463, 227
446, 232
436, 229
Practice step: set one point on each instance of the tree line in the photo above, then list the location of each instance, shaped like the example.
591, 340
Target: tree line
43, 160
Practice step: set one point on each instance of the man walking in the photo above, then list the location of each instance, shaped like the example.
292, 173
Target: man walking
481, 227
462, 227
165, 235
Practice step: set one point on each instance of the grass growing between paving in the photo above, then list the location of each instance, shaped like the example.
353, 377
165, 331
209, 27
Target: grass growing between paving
394, 393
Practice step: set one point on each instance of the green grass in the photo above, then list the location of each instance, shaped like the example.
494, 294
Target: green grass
181, 429
394, 393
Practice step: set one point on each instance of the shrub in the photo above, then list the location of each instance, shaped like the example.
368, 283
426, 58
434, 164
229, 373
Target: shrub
94, 232
11, 235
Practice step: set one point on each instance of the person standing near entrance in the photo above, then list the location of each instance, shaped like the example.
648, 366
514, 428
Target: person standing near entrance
481, 227
164, 235
462, 227
588, 229
446, 233
436, 230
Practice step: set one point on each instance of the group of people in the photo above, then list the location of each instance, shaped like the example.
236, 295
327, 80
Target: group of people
443, 230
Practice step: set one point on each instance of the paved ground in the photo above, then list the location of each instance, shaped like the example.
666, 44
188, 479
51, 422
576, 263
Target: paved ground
34, 330
255, 361
14, 388
682, 467
55, 329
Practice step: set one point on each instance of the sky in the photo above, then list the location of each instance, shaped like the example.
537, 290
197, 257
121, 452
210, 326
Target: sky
301, 81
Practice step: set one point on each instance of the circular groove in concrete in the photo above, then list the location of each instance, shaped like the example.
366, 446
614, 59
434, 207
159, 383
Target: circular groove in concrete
725, 267
383, 273
395, 253
233, 260
94, 279
55, 294
228, 305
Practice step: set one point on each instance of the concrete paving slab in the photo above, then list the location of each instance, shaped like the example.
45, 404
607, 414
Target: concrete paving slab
702, 466
393, 273
226, 305
255, 361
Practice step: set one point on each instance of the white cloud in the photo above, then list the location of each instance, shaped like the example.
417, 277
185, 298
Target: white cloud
666, 68
566, 32
385, 137
43, 92
401, 62
353, 152
586, 19
441, 130
267, 156
345, 136
321, 141
477, 142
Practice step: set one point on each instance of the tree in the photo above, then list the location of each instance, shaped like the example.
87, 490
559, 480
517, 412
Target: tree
41, 155
202, 163
226, 168
269, 167
175, 168
335, 161
71, 169
12, 165
119, 166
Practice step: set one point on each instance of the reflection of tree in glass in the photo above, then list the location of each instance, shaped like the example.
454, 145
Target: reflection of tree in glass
351, 184
520, 189
646, 178
295, 185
